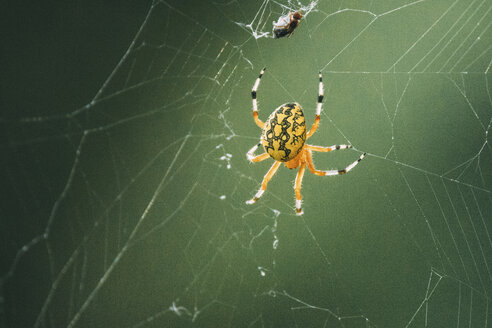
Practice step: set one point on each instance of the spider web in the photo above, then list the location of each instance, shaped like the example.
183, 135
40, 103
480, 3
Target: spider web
127, 208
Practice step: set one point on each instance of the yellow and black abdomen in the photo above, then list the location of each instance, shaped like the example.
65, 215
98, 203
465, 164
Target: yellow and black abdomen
284, 132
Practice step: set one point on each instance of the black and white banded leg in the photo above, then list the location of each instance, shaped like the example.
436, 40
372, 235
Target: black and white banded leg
334, 172
327, 149
255, 103
319, 106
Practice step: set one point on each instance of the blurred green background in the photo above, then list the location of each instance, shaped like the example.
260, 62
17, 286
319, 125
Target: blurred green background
124, 129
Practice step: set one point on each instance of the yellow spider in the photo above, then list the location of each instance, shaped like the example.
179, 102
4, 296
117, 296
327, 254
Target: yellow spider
283, 138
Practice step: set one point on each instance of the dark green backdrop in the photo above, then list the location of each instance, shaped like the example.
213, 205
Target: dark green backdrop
124, 128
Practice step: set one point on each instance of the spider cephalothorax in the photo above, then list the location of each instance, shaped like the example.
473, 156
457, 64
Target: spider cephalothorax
283, 139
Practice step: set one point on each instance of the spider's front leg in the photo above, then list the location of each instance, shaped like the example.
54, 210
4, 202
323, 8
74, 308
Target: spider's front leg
297, 188
265, 181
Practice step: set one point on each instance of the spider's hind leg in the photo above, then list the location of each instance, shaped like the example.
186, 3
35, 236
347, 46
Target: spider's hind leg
258, 122
319, 106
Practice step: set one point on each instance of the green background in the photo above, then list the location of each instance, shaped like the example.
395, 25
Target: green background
124, 129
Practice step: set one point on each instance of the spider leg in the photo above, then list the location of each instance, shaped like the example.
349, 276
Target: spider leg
255, 104
264, 183
314, 127
297, 188
327, 149
250, 155
260, 158
331, 172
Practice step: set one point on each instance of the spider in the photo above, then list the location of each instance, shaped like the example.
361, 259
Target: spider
286, 25
283, 139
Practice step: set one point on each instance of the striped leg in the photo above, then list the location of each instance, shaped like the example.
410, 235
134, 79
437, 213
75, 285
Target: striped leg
255, 103
332, 172
265, 181
250, 155
318, 108
297, 188
327, 149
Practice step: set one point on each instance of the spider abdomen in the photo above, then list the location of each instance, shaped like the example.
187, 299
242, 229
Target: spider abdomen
284, 132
